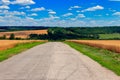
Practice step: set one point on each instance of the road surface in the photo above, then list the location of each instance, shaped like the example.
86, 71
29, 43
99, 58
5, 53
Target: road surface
53, 61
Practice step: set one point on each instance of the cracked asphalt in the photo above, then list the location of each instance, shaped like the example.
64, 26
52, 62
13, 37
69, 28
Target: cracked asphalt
53, 61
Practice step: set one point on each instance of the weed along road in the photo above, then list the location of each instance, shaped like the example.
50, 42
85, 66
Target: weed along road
53, 61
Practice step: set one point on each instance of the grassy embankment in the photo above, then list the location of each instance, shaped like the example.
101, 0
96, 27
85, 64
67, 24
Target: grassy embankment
104, 57
5, 54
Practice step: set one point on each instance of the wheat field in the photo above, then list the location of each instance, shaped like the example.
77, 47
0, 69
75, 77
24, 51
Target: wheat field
5, 44
112, 45
23, 34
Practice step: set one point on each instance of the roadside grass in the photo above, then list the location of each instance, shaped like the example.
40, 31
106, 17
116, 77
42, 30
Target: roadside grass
5, 54
106, 58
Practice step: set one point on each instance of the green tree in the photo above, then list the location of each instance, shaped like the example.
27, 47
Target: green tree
12, 37
4, 36
33, 36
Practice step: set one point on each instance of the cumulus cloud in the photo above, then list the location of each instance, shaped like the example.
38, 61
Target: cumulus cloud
12, 13
5, 1
53, 17
53, 21
20, 2
27, 7
107, 14
98, 7
33, 14
116, 13
112, 10
51, 12
67, 14
38, 9
17, 13
81, 16
74, 7
78, 11
4, 7
23, 2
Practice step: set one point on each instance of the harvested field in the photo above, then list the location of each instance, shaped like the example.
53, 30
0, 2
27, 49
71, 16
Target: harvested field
112, 45
5, 44
23, 34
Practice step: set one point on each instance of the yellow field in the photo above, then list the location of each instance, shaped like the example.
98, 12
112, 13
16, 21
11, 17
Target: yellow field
5, 44
113, 45
23, 34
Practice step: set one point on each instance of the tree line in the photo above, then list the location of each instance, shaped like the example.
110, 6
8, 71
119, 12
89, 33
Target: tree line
58, 33
62, 34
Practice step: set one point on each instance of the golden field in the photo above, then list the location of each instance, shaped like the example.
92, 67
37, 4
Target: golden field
23, 34
112, 45
5, 44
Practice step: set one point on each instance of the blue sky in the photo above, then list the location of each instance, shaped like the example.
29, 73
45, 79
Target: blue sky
66, 13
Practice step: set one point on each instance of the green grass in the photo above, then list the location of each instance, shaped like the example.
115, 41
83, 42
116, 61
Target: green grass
104, 57
5, 54
110, 36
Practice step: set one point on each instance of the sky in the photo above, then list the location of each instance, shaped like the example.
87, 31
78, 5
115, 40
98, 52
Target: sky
60, 13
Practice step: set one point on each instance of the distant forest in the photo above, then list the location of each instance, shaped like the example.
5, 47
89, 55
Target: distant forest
62, 33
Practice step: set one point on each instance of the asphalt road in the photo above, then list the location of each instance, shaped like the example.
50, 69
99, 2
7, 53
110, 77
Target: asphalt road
53, 61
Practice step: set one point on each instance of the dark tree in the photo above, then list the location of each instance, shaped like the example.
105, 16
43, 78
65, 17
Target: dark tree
33, 36
4, 36
12, 37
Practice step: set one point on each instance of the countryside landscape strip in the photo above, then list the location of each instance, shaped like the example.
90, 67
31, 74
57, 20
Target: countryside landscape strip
5, 54
106, 58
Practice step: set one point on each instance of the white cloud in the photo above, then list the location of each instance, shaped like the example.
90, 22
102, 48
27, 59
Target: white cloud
98, 7
116, 13
54, 17
53, 21
50, 18
27, 7
20, 2
4, 7
112, 10
107, 14
17, 13
38, 9
12, 13
81, 16
74, 7
77, 11
5, 1
67, 14
33, 14
51, 12
23, 2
